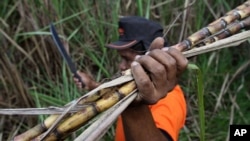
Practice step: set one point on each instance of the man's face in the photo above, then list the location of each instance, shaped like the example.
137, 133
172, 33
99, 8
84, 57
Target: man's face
127, 57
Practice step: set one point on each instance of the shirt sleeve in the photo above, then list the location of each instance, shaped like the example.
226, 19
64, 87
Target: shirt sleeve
170, 112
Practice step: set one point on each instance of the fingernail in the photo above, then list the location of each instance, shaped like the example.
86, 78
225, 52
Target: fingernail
134, 63
165, 49
147, 53
137, 57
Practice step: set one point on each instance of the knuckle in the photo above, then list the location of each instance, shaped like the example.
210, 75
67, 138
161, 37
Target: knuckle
142, 58
144, 82
172, 62
183, 65
173, 50
159, 69
153, 53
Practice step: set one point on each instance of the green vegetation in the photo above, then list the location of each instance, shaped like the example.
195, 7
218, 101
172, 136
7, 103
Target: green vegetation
33, 74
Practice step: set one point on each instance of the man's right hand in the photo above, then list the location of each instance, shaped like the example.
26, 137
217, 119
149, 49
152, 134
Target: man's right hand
88, 81
157, 72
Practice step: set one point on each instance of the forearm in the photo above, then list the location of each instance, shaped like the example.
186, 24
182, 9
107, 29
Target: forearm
139, 125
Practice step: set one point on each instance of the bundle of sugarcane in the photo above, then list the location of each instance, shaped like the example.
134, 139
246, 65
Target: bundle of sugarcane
57, 127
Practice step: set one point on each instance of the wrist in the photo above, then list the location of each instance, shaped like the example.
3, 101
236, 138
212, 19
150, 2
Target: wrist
135, 107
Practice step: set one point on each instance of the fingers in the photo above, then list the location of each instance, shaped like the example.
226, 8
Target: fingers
157, 67
88, 82
157, 43
78, 84
181, 60
170, 66
143, 82
77, 81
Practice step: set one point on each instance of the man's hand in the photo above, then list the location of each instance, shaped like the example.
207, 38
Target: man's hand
156, 73
88, 81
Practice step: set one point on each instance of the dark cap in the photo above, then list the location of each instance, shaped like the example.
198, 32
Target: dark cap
133, 30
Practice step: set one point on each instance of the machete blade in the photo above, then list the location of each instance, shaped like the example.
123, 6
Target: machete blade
64, 53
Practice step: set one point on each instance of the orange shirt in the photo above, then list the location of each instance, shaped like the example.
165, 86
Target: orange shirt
169, 114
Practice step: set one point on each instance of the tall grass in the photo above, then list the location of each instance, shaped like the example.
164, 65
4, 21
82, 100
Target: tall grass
200, 99
33, 74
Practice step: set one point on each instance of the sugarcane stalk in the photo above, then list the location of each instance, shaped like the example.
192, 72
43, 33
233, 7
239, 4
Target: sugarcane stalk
97, 95
51, 120
98, 128
78, 119
36, 130
230, 30
231, 41
46, 124
239, 13
108, 85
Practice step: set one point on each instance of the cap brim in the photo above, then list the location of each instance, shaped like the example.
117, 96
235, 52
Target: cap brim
122, 44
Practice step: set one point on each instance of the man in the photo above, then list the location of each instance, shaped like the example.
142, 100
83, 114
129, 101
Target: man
159, 111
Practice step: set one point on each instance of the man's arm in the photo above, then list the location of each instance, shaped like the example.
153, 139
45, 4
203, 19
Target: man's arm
139, 125
169, 116
155, 74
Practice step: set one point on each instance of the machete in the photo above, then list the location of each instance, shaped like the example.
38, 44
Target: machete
64, 54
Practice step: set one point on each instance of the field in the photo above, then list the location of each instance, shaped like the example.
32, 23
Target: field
33, 74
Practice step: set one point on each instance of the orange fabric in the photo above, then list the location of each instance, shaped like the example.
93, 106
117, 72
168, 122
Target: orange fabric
169, 114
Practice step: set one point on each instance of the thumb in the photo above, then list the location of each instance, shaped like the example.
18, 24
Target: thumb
157, 43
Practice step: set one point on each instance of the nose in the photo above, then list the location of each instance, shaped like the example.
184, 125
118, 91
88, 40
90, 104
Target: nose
123, 66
